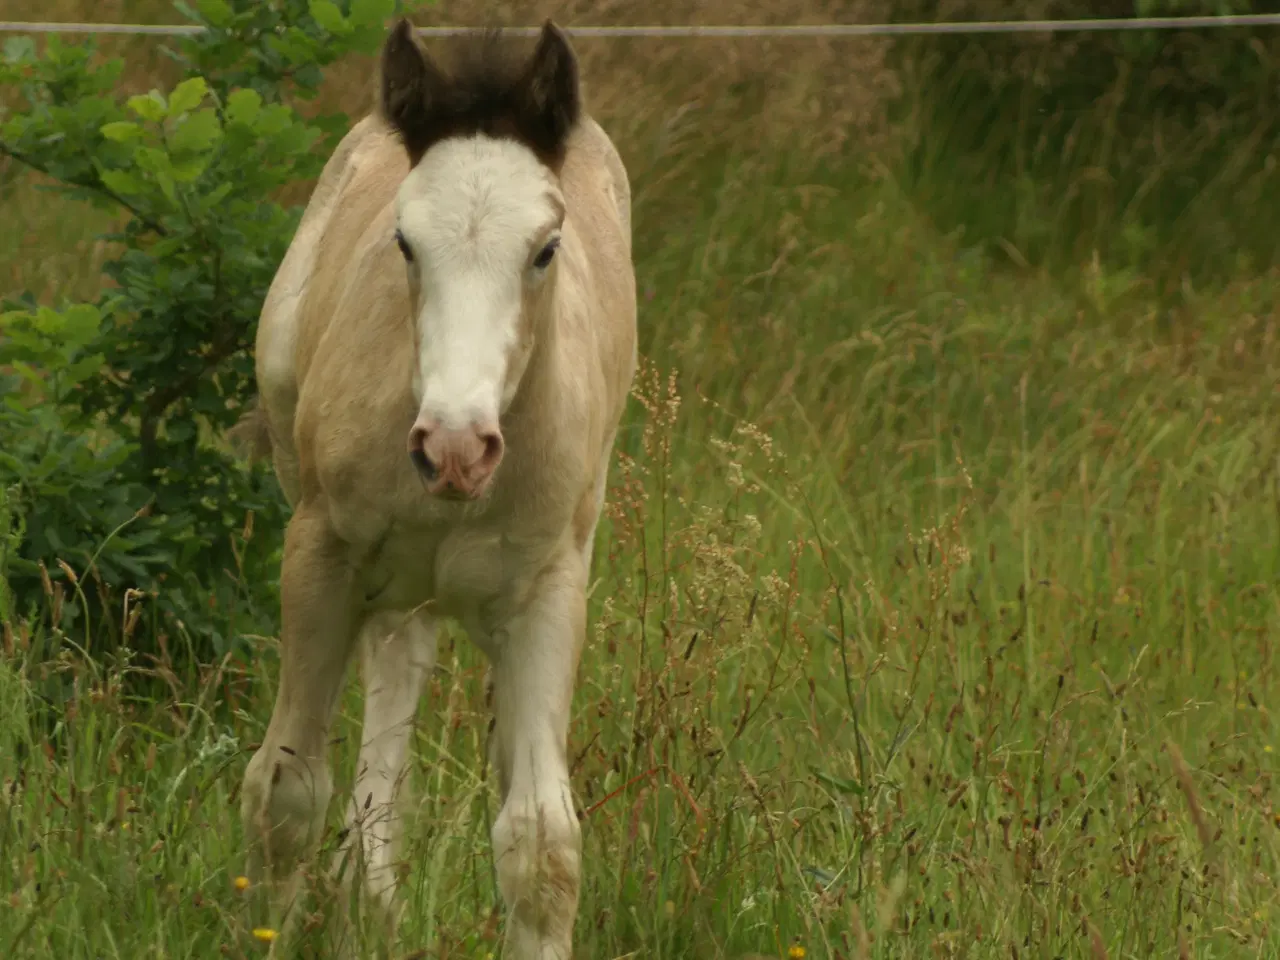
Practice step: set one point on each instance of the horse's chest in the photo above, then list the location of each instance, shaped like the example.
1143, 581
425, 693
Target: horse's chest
456, 571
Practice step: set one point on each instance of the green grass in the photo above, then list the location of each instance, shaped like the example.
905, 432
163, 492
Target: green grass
918, 578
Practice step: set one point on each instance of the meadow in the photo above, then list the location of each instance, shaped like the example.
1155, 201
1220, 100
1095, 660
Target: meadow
935, 613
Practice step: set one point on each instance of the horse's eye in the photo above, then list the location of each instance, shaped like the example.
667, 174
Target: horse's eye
404, 246
543, 259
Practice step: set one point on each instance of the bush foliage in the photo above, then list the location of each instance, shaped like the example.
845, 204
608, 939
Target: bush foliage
110, 461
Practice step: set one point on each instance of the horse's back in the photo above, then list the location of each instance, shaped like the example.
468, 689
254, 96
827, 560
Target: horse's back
598, 192
597, 149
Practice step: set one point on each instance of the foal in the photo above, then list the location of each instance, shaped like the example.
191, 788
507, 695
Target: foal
443, 359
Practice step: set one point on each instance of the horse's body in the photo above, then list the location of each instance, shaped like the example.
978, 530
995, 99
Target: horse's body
499, 340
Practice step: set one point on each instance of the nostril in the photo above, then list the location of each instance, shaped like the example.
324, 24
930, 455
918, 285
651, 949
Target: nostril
493, 446
418, 452
423, 463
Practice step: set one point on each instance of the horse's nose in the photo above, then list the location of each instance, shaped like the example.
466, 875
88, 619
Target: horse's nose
455, 463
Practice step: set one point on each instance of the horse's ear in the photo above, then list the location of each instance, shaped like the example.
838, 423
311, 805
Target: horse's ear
411, 86
552, 98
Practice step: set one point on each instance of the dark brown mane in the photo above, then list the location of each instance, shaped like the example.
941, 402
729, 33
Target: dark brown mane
490, 88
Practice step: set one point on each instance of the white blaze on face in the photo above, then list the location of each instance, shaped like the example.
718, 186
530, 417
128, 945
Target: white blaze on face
475, 218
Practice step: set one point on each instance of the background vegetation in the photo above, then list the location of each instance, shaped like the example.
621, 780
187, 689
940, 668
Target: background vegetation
935, 611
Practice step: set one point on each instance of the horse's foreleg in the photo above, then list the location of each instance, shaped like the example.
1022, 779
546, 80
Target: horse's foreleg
536, 838
287, 783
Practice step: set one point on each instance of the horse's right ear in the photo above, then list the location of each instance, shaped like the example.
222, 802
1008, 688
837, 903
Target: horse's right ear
411, 86
552, 100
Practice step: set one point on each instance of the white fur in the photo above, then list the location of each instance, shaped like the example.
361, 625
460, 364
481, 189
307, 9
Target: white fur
475, 213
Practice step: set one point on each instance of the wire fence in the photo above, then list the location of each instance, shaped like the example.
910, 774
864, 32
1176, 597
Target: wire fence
834, 30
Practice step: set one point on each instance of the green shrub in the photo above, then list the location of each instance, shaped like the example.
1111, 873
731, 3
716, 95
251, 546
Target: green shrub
113, 410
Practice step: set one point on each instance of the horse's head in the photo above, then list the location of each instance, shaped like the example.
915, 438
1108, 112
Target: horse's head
478, 222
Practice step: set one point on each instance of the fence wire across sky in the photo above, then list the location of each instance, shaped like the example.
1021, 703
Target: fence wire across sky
765, 31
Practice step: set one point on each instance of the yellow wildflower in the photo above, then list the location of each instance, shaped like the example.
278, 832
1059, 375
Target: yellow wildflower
265, 934
796, 952
241, 883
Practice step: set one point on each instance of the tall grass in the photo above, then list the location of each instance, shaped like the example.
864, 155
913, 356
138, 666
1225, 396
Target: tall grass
1153, 149
933, 615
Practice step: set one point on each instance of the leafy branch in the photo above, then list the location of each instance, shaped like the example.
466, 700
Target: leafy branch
84, 183
113, 407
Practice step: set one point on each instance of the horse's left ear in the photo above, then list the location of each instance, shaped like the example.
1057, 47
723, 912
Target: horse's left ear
411, 89
552, 98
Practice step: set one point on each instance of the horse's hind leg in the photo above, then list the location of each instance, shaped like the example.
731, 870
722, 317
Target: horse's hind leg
287, 783
398, 654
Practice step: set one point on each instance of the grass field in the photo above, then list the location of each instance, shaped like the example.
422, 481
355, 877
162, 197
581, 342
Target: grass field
935, 615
